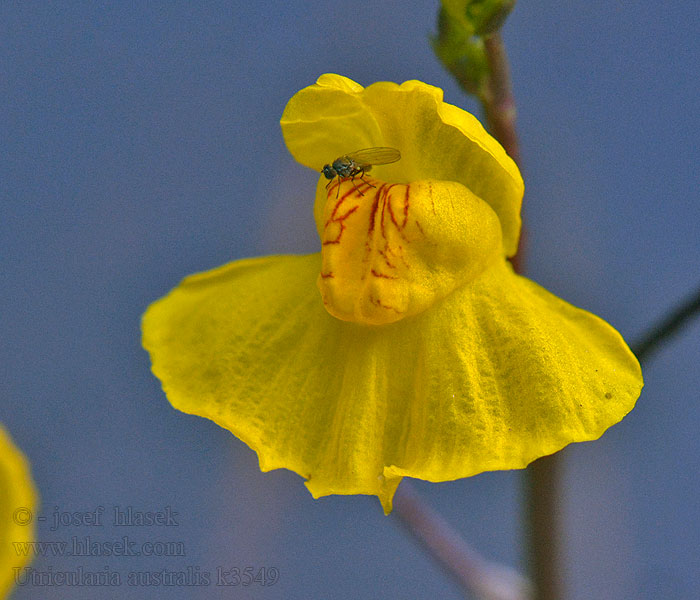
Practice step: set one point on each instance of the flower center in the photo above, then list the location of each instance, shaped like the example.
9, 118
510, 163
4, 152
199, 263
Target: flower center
392, 250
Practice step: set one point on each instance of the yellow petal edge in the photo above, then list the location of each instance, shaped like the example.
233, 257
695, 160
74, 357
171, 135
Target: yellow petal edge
18, 504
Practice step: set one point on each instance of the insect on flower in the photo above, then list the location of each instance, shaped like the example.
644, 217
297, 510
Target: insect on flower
358, 163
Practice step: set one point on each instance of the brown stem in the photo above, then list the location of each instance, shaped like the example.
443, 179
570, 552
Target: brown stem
497, 97
670, 324
498, 103
542, 478
542, 475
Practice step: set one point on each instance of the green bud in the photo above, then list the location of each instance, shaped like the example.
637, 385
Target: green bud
461, 52
481, 17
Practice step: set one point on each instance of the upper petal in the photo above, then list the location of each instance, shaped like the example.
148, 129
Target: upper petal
437, 140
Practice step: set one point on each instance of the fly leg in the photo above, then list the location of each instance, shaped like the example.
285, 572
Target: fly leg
362, 176
352, 179
361, 173
331, 183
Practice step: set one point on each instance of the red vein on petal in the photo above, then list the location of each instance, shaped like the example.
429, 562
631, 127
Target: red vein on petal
383, 275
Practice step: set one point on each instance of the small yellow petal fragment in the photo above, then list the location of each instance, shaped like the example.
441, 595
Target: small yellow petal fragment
392, 250
18, 505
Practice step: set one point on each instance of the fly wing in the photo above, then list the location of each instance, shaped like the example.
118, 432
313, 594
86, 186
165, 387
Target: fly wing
381, 155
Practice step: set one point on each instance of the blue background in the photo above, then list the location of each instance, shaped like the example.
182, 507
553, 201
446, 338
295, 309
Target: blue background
141, 143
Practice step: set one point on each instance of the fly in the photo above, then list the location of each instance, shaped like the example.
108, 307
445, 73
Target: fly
358, 163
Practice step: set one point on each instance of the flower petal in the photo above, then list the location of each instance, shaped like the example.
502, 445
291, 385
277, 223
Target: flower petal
497, 374
18, 503
437, 140
520, 374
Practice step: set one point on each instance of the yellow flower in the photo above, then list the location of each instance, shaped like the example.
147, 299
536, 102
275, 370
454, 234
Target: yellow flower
423, 355
18, 502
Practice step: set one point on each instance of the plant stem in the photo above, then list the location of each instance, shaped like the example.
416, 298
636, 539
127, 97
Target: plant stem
485, 579
542, 476
542, 484
667, 327
497, 97
498, 104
